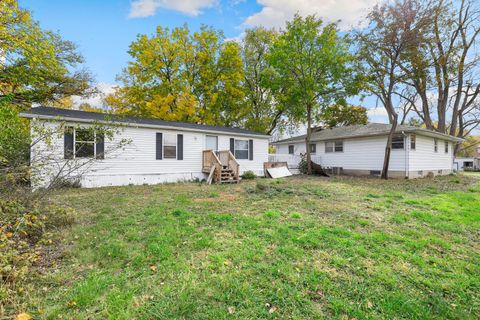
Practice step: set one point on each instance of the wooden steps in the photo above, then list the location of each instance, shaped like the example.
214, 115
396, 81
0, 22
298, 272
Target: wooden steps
221, 166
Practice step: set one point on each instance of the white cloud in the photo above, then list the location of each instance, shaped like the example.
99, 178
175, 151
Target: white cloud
95, 100
275, 12
147, 8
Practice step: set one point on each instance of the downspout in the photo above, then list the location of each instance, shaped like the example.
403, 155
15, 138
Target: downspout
407, 155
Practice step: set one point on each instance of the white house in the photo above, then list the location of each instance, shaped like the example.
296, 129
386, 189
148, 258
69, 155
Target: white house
138, 150
469, 164
360, 149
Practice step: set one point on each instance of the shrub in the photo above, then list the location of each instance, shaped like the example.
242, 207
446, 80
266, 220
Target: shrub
249, 175
302, 165
24, 230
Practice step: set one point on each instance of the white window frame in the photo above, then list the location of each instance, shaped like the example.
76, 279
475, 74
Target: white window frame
169, 145
211, 136
310, 148
75, 143
435, 145
403, 144
335, 145
413, 141
293, 148
447, 147
235, 149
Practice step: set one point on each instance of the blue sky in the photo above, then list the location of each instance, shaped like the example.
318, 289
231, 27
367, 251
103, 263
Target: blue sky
103, 29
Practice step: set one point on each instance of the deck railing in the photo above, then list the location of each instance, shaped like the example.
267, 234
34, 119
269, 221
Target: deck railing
219, 159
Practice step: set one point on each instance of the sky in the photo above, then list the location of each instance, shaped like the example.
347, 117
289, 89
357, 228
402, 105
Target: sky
103, 29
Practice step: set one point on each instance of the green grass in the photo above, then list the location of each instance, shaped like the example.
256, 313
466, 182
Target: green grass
295, 248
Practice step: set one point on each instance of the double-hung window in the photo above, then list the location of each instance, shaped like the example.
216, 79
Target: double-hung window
291, 149
446, 146
169, 146
435, 145
241, 149
413, 142
84, 143
313, 148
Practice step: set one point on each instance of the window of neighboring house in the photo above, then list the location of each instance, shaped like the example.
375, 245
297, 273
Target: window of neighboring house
435, 145
291, 149
333, 146
241, 149
313, 148
413, 142
446, 146
169, 146
84, 143
398, 141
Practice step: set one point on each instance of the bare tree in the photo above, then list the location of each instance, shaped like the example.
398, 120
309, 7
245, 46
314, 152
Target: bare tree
392, 30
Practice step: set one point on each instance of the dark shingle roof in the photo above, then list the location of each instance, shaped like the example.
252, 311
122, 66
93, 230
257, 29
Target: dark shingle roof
83, 116
371, 129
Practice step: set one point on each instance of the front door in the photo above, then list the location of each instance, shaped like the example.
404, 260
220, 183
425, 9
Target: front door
212, 143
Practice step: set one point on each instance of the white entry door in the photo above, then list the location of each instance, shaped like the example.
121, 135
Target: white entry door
212, 143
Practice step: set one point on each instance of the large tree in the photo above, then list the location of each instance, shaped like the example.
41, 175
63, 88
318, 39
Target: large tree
393, 30
340, 115
177, 75
36, 66
442, 67
312, 62
262, 112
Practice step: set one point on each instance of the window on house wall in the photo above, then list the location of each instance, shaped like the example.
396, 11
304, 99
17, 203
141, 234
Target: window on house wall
241, 149
334, 146
313, 148
398, 142
446, 146
84, 143
169, 146
435, 145
291, 149
413, 142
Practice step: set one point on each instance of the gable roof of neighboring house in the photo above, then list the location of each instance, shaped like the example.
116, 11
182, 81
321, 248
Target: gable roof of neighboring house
48, 113
371, 129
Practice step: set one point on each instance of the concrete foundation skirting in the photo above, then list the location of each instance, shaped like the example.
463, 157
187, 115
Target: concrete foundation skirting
398, 174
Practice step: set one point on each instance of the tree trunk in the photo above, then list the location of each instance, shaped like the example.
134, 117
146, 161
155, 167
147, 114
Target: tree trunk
388, 147
307, 139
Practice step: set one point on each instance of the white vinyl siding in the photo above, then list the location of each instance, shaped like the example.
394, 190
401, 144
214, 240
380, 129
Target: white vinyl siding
425, 158
136, 162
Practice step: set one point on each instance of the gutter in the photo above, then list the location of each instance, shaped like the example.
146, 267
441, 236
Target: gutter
138, 125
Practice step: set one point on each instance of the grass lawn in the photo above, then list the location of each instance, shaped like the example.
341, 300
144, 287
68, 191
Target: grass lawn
294, 248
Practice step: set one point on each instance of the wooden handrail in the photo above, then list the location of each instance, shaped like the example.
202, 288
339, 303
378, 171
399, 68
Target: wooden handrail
224, 159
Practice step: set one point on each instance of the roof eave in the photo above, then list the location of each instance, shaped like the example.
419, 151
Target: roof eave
138, 125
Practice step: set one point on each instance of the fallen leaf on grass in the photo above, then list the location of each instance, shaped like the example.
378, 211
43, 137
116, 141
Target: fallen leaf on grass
23, 316
231, 310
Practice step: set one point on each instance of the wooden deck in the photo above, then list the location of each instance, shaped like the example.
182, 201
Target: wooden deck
221, 166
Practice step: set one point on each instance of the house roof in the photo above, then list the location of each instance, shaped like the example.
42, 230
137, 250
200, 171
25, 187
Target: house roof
371, 129
49, 113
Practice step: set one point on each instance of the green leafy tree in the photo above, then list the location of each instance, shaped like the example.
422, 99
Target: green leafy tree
313, 64
339, 115
36, 66
176, 75
262, 112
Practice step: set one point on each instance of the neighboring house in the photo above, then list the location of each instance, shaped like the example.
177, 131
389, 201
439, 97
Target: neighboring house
158, 151
360, 150
468, 164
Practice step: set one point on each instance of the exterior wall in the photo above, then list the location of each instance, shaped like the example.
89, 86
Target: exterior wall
361, 154
424, 160
459, 163
136, 162
365, 154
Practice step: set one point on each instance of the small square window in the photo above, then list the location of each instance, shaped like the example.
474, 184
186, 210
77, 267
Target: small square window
84, 143
313, 148
291, 149
338, 146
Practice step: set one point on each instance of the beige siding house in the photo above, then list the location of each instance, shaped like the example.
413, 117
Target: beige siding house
359, 150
